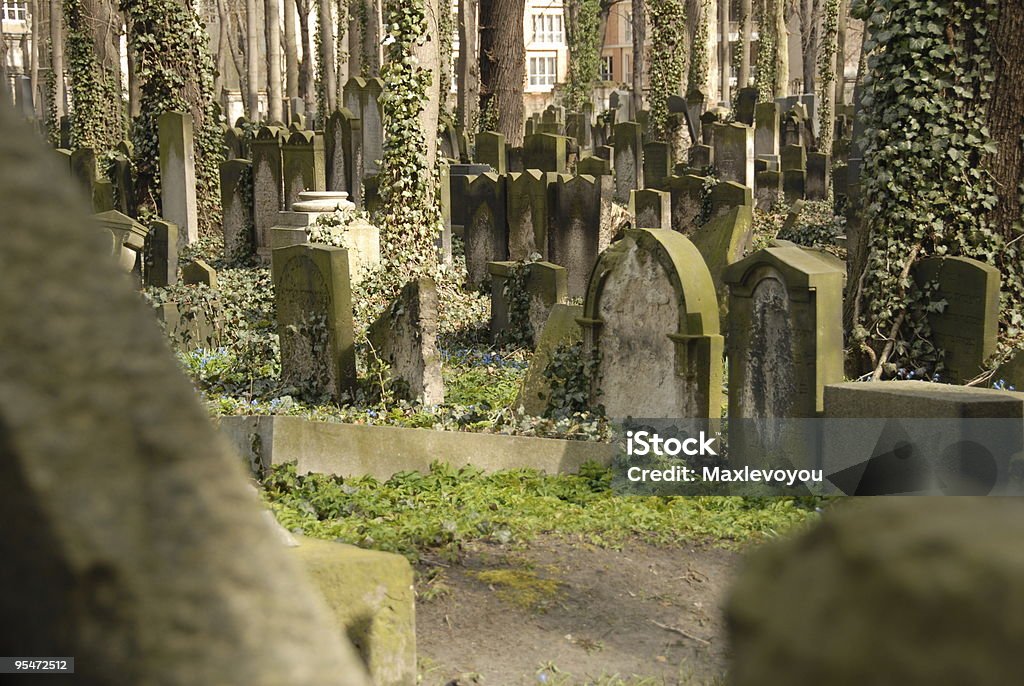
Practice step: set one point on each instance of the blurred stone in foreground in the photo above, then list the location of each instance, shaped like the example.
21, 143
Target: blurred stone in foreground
129, 540
908, 591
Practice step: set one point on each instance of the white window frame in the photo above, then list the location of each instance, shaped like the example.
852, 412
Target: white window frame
545, 79
607, 67
15, 10
548, 27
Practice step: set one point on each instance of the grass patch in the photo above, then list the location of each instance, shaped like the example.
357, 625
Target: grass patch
437, 513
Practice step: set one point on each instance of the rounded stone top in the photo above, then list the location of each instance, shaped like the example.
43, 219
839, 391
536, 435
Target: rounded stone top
323, 195
322, 201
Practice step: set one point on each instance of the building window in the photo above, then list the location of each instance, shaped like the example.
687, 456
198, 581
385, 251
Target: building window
606, 68
543, 71
15, 10
547, 28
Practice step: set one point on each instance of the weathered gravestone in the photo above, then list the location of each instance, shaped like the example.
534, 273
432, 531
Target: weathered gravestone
629, 159
546, 152
362, 98
161, 267
313, 298
167, 572
727, 195
128, 238
302, 158
651, 209
486, 229
405, 338
178, 173
583, 230
913, 580
967, 328
594, 166
723, 241
686, 195
734, 153
577, 126
560, 328
785, 327
343, 154
490, 149
819, 175
746, 103
701, 157
657, 164
651, 321
766, 130
267, 184
767, 189
528, 194
198, 271
236, 198
522, 295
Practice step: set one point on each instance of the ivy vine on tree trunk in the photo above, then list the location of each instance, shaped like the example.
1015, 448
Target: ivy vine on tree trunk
668, 24
583, 21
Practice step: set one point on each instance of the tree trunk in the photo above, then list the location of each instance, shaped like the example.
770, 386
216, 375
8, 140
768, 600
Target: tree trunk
724, 49
307, 79
1006, 117
223, 25
428, 57
810, 23
57, 60
468, 67
840, 96
747, 28
503, 66
782, 53
291, 51
252, 58
328, 75
275, 94
639, 24
94, 31
341, 55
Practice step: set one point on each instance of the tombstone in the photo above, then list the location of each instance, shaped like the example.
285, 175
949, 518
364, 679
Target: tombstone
198, 271
343, 154
128, 237
727, 195
746, 103
302, 158
794, 184
686, 195
236, 197
313, 300
793, 157
605, 152
583, 230
490, 149
362, 98
594, 166
651, 321
161, 267
267, 183
527, 214
405, 338
715, 115
793, 130
560, 328
443, 242
629, 159
546, 152
103, 196
150, 536
792, 217
85, 168
767, 189
577, 126
514, 158
620, 103
734, 153
696, 104
840, 185
819, 170
785, 344
724, 241
930, 553
191, 325
124, 184
766, 130
967, 328
178, 173
63, 156
486, 228
448, 143
651, 209
702, 157
519, 316
234, 144
657, 164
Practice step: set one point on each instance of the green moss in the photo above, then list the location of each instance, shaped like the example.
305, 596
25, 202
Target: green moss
522, 588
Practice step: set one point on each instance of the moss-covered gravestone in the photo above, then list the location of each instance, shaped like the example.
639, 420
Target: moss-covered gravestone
343, 153
522, 296
486, 229
313, 298
650, 209
405, 338
237, 203
687, 199
766, 130
267, 184
651, 320
131, 540
527, 213
546, 152
723, 241
629, 159
583, 228
490, 149
968, 326
734, 153
559, 329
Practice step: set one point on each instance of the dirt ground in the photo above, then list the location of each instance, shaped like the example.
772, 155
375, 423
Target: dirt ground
558, 612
